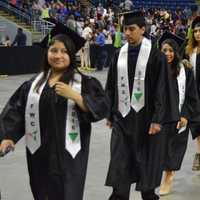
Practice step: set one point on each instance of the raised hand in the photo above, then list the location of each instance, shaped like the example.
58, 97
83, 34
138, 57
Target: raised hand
65, 90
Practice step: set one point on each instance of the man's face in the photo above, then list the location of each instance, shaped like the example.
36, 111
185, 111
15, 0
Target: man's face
134, 34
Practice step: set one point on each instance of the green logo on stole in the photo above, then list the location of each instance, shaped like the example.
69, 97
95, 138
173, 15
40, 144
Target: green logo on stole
73, 136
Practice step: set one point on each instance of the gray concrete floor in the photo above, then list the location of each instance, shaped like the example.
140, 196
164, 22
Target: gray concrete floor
13, 171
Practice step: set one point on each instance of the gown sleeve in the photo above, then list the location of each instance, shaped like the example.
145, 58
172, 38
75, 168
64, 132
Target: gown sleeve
95, 99
12, 118
111, 86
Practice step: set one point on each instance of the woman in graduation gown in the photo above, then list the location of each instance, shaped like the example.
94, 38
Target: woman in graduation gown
60, 103
186, 99
192, 52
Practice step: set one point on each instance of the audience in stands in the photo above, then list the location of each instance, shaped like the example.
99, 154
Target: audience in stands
73, 14
20, 38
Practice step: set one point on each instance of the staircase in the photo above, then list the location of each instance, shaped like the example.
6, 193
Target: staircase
166, 4
36, 36
9, 12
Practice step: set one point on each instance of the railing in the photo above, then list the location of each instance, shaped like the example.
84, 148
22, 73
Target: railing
38, 25
42, 26
22, 15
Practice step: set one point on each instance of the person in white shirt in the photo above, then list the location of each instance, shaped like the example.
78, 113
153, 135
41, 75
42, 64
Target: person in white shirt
85, 54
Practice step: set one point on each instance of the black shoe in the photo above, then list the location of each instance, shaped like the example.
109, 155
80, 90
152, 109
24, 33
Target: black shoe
149, 195
116, 197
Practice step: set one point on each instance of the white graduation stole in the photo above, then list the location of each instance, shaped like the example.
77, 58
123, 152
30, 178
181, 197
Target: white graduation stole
193, 60
181, 79
73, 140
32, 118
138, 93
32, 121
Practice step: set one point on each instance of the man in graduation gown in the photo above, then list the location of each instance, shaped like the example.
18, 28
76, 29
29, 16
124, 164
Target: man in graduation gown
140, 94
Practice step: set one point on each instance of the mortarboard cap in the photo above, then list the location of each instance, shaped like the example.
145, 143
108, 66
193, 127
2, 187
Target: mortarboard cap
196, 22
134, 17
62, 29
167, 35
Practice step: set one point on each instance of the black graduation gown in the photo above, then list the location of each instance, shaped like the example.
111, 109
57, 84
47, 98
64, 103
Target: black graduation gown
53, 172
176, 143
197, 77
135, 155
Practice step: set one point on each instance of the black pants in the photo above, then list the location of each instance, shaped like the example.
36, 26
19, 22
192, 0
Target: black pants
123, 193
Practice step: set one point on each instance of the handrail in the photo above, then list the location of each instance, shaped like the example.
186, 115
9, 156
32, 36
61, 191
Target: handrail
39, 25
42, 26
18, 8
18, 12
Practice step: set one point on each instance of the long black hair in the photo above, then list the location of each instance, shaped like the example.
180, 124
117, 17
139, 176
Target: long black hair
68, 74
174, 66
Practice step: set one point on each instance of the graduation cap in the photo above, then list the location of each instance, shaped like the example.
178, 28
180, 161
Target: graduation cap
168, 35
134, 17
62, 29
196, 22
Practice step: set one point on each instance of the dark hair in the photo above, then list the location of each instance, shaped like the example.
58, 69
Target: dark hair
141, 24
20, 30
68, 74
174, 67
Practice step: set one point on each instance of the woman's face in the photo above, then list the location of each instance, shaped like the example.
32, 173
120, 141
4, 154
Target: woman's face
58, 57
169, 52
196, 32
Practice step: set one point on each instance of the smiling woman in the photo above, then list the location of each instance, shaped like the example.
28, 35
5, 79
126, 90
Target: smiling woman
58, 57
54, 111
187, 103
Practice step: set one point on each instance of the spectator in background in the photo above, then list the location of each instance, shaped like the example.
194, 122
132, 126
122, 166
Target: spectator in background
100, 9
7, 42
117, 37
71, 23
45, 12
128, 5
20, 38
87, 34
53, 11
101, 53
13, 2
36, 10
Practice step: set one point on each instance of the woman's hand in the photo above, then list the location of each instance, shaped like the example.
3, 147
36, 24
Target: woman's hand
65, 90
108, 123
154, 128
182, 123
6, 146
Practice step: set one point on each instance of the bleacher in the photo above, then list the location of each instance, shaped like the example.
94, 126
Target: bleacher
166, 4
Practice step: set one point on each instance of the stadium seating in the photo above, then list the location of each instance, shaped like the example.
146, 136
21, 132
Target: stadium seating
166, 4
